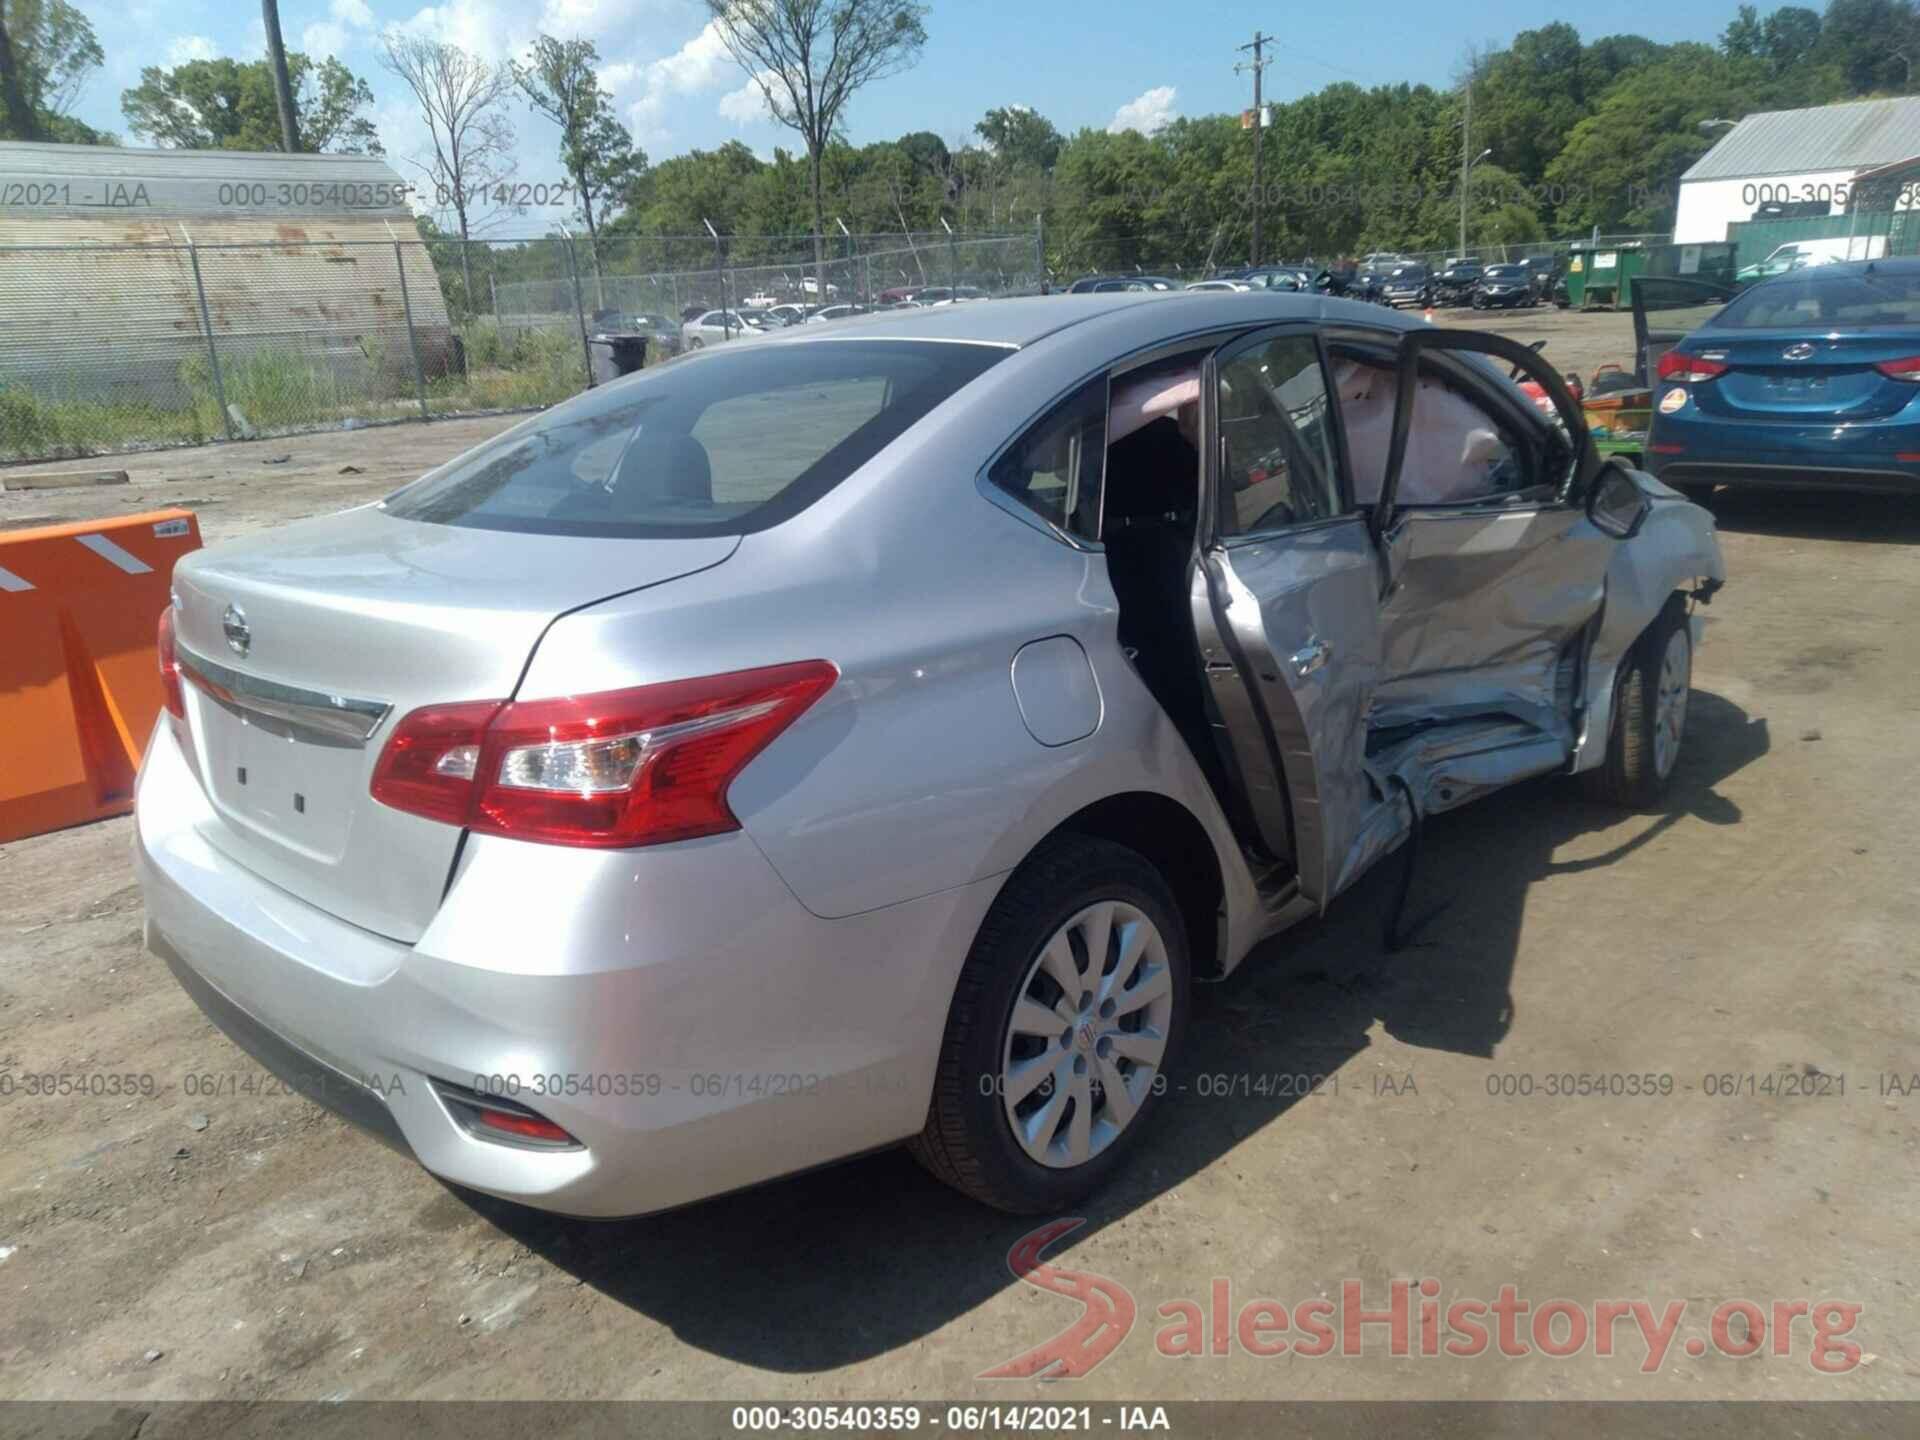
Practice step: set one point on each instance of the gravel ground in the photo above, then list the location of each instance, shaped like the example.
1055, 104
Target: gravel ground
217, 1239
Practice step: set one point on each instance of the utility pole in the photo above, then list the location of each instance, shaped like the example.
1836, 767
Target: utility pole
1466, 131
1256, 65
282, 86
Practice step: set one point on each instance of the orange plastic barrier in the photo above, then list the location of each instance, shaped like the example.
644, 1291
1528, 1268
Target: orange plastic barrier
79, 679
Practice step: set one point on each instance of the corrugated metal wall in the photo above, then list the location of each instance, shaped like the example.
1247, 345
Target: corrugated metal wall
300, 261
83, 320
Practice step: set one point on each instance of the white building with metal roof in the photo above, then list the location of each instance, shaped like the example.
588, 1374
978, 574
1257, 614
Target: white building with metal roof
1803, 158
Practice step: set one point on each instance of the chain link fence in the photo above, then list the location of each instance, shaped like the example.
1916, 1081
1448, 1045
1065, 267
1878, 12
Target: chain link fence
109, 347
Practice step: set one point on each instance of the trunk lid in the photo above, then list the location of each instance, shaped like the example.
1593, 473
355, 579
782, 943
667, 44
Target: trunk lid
350, 622
1800, 378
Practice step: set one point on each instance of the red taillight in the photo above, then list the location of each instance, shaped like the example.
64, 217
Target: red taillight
617, 769
1906, 369
1667, 447
171, 694
430, 762
1678, 366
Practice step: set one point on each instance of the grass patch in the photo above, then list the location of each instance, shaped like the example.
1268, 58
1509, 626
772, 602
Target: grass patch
279, 390
511, 369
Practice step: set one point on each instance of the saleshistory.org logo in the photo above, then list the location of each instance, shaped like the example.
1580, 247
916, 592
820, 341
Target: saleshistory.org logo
1415, 1320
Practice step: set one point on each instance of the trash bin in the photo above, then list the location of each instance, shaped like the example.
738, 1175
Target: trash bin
614, 355
1603, 275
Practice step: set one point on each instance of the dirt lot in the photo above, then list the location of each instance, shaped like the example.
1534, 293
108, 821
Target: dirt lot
243, 1244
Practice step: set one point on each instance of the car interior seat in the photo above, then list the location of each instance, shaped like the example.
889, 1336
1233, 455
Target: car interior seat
1148, 517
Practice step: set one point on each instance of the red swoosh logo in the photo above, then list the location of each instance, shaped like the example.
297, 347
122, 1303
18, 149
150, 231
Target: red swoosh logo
1106, 1315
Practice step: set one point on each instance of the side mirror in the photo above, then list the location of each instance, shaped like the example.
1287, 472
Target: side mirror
1616, 504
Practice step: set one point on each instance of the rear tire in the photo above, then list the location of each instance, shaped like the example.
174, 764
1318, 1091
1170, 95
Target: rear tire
1083, 1096
1649, 714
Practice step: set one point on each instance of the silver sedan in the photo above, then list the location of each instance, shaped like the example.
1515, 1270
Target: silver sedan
867, 735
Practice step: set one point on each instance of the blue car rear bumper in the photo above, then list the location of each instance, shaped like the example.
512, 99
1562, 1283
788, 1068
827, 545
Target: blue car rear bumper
1792, 457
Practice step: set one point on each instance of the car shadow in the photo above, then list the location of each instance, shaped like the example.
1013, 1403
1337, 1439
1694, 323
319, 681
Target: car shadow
847, 1262
1819, 515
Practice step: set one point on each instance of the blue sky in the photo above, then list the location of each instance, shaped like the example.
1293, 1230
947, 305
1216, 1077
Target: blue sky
1101, 63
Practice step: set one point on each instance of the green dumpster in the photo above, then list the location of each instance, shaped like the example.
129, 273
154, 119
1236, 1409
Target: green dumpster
1602, 275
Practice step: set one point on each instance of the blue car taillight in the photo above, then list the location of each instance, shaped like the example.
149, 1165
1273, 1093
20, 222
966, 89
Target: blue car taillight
1677, 365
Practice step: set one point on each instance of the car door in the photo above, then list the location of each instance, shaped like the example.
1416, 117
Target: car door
1667, 309
1493, 571
1285, 601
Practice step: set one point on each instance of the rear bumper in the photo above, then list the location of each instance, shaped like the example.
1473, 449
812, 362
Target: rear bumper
1795, 474
675, 1009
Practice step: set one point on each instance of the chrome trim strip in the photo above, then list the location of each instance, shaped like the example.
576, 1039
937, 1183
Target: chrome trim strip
337, 716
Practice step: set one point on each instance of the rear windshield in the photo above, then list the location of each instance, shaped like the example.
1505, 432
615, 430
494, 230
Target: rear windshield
1504, 272
1824, 302
729, 443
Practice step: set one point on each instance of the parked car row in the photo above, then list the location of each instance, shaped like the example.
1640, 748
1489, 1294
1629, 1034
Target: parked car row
1463, 280
702, 326
1380, 278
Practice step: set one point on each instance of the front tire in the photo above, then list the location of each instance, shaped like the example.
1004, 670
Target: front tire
1649, 714
1071, 1004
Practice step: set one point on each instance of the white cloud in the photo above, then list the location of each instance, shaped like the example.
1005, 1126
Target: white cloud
323, 38
745, 106
591, 17
701, 64
348, 19
190, 47
487, 28
1146, 113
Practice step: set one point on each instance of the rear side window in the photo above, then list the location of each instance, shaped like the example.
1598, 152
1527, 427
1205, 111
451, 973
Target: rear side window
723, 445
1056, 467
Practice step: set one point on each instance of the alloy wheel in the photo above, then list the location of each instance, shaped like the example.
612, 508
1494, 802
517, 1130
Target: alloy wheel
1087, 1034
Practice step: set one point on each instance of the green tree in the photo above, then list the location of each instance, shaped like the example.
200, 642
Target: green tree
1621, 165
679, 194
1864, 38
562, 83
1020, 137
1745, 37
228, 104
47, 53
809, 57
16, 115
1789, 36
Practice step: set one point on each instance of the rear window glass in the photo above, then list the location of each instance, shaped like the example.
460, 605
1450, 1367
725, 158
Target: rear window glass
1820, 302
722, 445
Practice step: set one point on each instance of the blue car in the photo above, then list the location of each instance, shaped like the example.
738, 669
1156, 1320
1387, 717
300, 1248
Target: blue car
1810, 380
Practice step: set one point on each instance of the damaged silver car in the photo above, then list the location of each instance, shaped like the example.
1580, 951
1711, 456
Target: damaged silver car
866, 734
